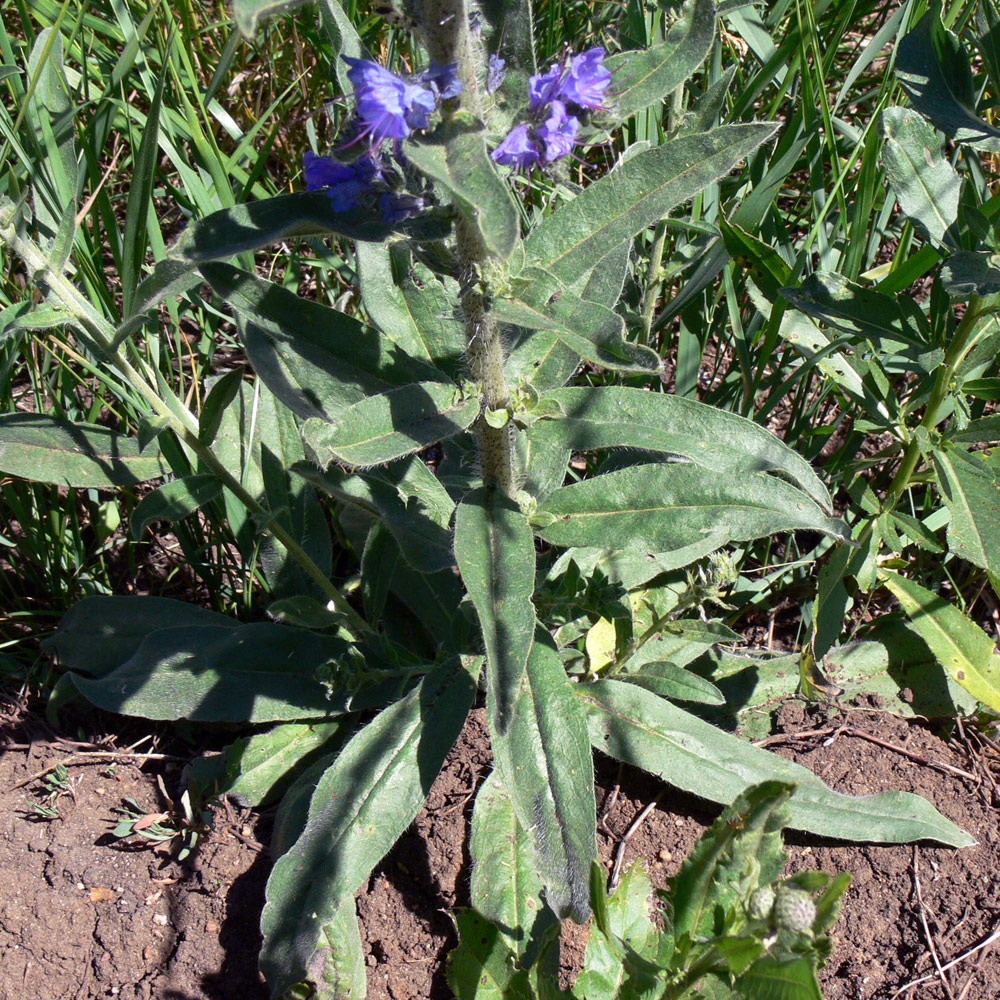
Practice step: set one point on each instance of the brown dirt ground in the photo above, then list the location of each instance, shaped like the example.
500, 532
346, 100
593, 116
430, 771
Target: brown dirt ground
84, 916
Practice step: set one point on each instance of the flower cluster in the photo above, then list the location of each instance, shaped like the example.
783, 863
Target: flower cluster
388, 107
557, 97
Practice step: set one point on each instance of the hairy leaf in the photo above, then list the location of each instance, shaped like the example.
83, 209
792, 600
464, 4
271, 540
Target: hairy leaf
363, 802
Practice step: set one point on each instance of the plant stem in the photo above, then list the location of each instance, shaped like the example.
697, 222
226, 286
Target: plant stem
962, 342
446, 35
101, 334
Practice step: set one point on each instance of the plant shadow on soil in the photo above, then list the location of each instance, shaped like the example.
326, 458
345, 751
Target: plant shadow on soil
84, 916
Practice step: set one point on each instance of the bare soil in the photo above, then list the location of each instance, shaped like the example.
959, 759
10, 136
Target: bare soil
83, 915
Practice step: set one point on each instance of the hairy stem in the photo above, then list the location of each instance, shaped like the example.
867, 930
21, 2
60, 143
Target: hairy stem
446, 35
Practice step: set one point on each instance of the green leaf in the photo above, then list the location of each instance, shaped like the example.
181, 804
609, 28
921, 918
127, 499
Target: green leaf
411, 305
315, 359
960, 646
971, 272
545, 763
613, 417
212, 673
667, 505
257, 224
390, 425
251, 14
407, 497
539, 301
637, 195
256, 769
638, 727
504, 886
642, 78
745, 839
140, 196
971, 492
50, 117
983, 430
224, 389
850, 307
609, 970
48, 449
364, 801
174, 501
455, 156
771, 978
338, 967
482, 966
934, 70
98, 634
670, 681
925, 184
495, 551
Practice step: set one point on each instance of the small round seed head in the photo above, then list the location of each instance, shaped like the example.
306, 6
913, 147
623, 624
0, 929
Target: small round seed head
761, 903
794, 911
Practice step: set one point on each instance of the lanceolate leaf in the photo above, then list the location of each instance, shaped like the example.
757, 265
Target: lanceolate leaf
971, 491
668, 505
175, 500
211, 673
636, 196
98, 634
934, 71
495, 550
257, 224
643, 78
390, 425
925, 184
315, 359
505, 887
455, 156
256, 768
407, 497
360, 807
539, 301
961, 647
48, 449
636, 726
615, 417
545, 764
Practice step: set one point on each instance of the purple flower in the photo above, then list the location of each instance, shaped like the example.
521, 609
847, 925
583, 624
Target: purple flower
398, 207
543, 87
586, 80
495, 72
517, 149
346, 182
442, 80
388, 105
558, 132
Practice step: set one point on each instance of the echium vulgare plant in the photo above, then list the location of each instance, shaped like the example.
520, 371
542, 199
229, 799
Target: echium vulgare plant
441, 431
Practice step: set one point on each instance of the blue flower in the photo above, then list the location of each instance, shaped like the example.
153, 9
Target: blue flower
346, 182
495, 73
389, 106
544, 87
582, 85
517, 149
397, 207
586, 80
558, 132
442, 80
